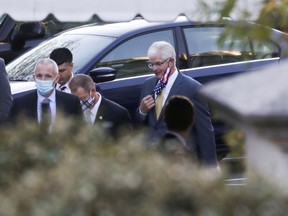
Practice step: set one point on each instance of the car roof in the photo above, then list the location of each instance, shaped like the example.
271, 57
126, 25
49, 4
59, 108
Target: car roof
120, 28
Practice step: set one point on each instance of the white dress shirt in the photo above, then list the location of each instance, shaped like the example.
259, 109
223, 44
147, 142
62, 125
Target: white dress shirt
92, 113
67, 89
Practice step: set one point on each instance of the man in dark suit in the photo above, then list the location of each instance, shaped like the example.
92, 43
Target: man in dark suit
169, 81
45, 99
97, 109
64, 59
5, 92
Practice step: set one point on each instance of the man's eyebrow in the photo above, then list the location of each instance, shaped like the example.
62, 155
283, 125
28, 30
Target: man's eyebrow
47, 75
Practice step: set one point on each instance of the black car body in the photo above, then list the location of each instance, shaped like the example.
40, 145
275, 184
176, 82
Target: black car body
115, 56
18, 37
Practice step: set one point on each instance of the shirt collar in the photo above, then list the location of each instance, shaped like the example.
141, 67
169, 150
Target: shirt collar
52, 97
66, 84
94, 110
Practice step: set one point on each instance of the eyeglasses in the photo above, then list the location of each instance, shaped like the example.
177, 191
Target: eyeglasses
157, 64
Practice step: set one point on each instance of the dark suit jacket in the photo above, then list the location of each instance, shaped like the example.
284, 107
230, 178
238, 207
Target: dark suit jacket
26, 105
5, 93
202, 136
113, 117
168, 136
172, 145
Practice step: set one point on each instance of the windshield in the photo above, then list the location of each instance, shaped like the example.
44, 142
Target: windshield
83, 47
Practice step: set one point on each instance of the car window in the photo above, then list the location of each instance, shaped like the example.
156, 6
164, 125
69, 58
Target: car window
82, 46
265, 49
206, 47
4, 31
130, 58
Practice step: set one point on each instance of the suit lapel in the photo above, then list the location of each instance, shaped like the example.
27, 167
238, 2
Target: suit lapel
177, 85
60, 101
150, 89
101, 110
33, 105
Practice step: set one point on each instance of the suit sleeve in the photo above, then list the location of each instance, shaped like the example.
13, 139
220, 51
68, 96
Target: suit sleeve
125, 119
204, 132
5, 93
141, 118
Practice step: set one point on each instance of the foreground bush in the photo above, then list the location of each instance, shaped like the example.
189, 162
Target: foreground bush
77, 171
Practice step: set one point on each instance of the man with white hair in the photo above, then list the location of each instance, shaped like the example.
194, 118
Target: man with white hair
168, 81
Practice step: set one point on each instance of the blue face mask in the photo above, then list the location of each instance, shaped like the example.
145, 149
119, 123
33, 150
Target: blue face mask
44, 87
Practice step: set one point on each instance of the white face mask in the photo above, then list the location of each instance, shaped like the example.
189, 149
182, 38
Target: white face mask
88, 103
44, 87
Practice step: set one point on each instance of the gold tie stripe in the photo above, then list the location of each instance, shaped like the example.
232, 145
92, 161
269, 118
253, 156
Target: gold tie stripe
158, 103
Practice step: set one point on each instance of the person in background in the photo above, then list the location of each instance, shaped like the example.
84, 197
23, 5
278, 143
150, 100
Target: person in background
5, 93
168, 81
64, 59
179, 118
97, 109
45, 100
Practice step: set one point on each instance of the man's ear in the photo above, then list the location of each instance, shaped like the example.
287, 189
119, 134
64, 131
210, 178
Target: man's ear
56, 79
171, 63
94, 90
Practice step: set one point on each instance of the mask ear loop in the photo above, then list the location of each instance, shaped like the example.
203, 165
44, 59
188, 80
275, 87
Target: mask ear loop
54, 81
93, 98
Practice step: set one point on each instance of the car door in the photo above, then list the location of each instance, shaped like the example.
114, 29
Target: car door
212, 54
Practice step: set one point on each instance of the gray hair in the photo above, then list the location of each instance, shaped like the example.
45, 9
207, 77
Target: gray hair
47, 61
165, 49
81, 80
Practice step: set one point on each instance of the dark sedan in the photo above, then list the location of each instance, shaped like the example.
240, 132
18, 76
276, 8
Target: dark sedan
115, 56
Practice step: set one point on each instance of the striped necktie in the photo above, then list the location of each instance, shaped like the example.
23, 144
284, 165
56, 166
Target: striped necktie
88, 117
45, 112
158, 104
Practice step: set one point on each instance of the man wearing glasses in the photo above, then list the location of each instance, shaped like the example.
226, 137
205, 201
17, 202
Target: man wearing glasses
168, 81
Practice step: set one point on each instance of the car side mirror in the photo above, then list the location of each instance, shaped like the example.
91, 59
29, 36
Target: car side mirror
26, 31
103, 74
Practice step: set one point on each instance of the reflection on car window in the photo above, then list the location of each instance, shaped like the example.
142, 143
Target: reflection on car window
2, 17
265, 49
130, 58
205, 49
82, 47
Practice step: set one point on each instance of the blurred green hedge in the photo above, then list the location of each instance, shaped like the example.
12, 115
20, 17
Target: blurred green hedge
78, 171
